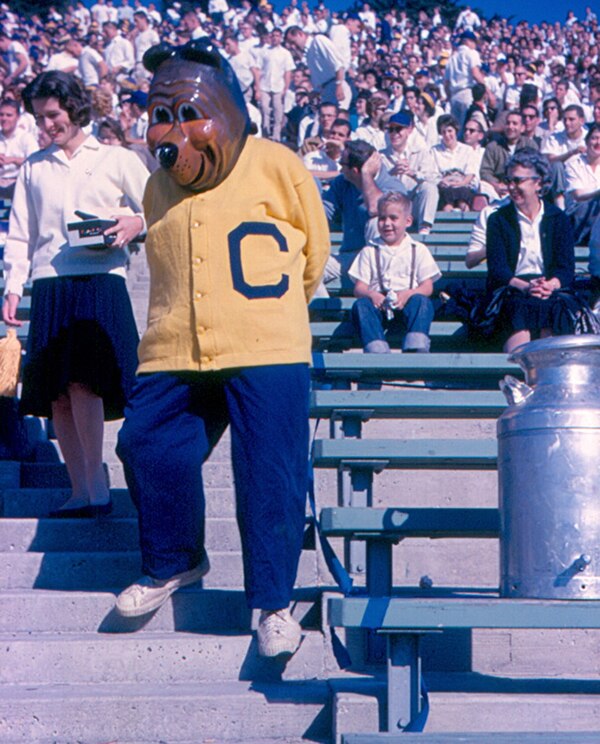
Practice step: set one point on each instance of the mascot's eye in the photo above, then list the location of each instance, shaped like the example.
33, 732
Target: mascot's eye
161, 115
188, 112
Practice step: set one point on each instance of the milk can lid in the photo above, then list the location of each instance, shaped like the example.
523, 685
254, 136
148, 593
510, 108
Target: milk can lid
587, 342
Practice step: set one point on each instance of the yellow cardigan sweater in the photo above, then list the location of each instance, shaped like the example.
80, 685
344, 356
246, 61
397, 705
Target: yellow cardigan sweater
232, 269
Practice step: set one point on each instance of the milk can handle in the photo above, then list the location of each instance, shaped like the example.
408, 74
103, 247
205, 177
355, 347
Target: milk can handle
515, 391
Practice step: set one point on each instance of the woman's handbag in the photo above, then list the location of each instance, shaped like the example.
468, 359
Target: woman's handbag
10, 362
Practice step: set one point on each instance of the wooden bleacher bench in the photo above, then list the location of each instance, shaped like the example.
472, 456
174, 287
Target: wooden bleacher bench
413, 454
470, 368
393, 524
414, 403
338, 335
403, 621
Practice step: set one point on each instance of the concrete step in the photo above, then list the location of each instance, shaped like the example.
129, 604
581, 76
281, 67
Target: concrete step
110, 534
211, 711
10, 474
24, 503
192, 610
101, 570
150, 657
470, 703
32, 502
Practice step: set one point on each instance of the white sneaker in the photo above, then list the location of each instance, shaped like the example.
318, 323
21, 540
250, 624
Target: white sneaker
149, 594
278, 633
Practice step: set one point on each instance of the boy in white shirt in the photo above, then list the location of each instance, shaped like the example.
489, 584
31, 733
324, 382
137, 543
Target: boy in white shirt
394, 278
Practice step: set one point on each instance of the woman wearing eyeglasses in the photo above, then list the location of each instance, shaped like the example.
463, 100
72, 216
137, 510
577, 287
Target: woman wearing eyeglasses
552, 121
530, 251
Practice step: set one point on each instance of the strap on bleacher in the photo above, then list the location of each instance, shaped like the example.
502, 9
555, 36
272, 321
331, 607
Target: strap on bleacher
418, 723
335, 566
345, 583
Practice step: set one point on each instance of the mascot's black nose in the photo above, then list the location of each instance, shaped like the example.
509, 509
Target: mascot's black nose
167, 155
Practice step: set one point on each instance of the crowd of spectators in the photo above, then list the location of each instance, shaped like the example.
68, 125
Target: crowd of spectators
365, 67
422, 106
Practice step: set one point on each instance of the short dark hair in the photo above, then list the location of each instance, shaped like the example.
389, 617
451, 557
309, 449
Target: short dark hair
114, 127
68, 91
555, 101
358, 152
595, 127
342, 123
576, 108
11, 103
478, 91
529, 94
447, 120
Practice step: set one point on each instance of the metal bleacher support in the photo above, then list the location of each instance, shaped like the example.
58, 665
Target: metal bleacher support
451, 385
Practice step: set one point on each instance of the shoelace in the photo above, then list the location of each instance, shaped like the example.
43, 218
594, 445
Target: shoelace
137, 590
275, 622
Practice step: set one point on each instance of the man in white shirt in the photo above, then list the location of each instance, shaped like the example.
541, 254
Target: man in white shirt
83, 15
243, 64
467, 20
326, 68
274, 76
368, 17
65, 60
324, 162
134, 116
191, 24
118, 51
341, 35
513, 92
90, 65
100, 13
217, 9
247, 39
462, 72
16, 58
562, 146
145, 38
414, 167
125, 12
15, 146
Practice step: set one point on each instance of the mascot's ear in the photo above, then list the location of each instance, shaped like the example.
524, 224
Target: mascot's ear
202, 51
156, 55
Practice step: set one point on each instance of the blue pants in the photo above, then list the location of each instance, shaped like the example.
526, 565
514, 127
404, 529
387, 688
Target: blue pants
416, 317
172, 423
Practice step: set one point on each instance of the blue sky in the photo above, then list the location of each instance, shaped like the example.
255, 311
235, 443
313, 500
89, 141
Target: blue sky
529, 10
534, 11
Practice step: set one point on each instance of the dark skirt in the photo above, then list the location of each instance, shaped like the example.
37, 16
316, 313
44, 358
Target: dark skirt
82, 330
523, 312
454, 194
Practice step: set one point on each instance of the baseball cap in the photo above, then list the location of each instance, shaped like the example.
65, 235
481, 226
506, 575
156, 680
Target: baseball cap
402, 119
138, 97
468, 35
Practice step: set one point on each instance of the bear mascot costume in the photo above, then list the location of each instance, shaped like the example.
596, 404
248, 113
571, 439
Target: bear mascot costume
237, 241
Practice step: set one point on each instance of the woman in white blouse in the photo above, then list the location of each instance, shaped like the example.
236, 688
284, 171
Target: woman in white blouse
455, 163
81, 352
426, 119
583, 187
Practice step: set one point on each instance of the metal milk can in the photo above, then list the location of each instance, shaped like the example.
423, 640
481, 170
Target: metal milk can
549, 471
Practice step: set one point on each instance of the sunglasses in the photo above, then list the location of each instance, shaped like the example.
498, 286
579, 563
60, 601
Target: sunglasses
530, 116
518, 180
471, 130
396, 129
